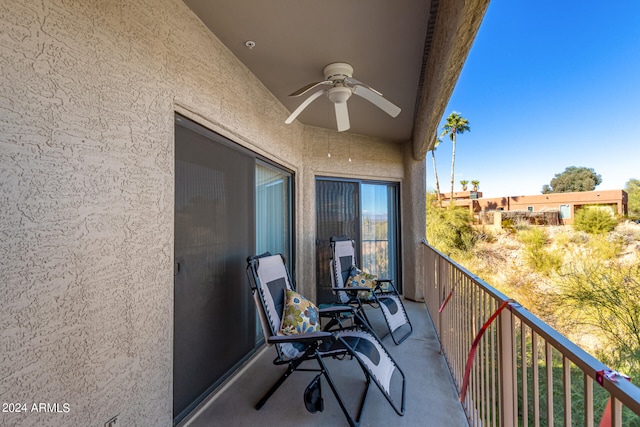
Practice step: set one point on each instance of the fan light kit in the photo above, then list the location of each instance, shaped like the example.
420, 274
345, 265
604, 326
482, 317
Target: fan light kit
339, 76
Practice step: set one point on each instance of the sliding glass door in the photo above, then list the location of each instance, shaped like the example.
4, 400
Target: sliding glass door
229, 204
378, 248
337, 214
273, 212
365, 211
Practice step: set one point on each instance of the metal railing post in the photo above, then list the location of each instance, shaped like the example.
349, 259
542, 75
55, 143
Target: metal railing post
507, 367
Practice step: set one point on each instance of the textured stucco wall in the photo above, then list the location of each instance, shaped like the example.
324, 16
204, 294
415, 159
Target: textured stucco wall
414, 225
370, 159
87, 99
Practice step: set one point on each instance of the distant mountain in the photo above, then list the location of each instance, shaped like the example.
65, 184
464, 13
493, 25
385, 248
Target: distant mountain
375, 217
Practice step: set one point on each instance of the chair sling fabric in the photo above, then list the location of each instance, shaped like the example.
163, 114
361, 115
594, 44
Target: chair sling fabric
269, 278
384, 295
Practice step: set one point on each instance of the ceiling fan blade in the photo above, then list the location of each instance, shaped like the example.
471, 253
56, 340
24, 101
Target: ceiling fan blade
304, 105
342, 116
307, 88
355, 82
377, 100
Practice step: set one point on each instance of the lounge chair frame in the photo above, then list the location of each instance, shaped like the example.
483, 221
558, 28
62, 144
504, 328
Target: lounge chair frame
381, 297
338, 342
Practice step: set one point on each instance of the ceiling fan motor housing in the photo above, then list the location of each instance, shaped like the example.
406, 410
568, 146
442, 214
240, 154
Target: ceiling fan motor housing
338, 71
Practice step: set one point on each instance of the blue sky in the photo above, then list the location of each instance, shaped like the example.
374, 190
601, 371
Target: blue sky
547, 85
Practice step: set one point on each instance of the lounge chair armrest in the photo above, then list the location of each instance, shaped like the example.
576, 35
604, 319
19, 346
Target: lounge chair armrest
309, 337
352, 289
389, 289
336, 309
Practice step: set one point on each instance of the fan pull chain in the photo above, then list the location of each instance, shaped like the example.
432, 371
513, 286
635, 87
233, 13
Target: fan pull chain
328, 137
349, 150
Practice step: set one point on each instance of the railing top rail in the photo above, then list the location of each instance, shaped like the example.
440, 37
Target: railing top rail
622, 390
487, 287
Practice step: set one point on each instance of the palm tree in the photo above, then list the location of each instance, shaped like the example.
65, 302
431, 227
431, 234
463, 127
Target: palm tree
475, 184
464, 184
435, 170
455, 124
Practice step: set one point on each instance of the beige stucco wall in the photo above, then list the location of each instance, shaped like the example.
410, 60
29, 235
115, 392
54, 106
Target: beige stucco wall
370, 159
87, 100
414, 225
88, 94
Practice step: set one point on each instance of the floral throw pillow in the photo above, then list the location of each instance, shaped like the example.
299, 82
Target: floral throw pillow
358, 277
300, 315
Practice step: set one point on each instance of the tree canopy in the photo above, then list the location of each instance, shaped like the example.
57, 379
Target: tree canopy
632, 187
573, 179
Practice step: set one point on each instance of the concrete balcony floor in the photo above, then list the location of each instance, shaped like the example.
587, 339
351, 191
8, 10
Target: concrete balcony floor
431, 398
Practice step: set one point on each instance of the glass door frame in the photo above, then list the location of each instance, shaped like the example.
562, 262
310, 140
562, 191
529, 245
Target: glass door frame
397, 255
216, 138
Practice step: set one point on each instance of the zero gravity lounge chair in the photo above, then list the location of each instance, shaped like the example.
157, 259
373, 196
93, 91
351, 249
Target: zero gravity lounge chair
273, 289
381, 294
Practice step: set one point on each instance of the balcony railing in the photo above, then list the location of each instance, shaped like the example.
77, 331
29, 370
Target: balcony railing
523, 371
375, 257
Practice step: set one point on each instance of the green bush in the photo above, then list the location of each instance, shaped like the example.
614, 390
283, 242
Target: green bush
538, 257
606, 295
605, 247
450, 231
594, 220
533, 237
508, 225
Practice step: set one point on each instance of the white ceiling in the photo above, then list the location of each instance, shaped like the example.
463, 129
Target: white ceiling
383, 40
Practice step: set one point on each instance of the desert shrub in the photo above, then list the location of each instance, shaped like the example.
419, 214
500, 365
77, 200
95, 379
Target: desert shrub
534, 237
563, 239
521, 224
527, 288
508, 225
629, 230
485, 235
594, 220
605, 247
450, 231
606, 296
539, 258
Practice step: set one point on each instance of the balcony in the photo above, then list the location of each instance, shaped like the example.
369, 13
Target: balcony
523, 372
431, 396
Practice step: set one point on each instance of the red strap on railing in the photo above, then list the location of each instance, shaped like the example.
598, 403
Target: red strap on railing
474, 347
607, 415
446, 301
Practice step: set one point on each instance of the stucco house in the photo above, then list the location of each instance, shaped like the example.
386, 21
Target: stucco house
565, 204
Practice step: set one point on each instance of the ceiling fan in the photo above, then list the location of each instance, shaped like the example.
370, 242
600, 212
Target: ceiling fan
338, 76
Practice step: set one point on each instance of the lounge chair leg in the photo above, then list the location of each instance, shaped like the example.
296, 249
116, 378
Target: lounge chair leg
277, 384
293, 365
353, 422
